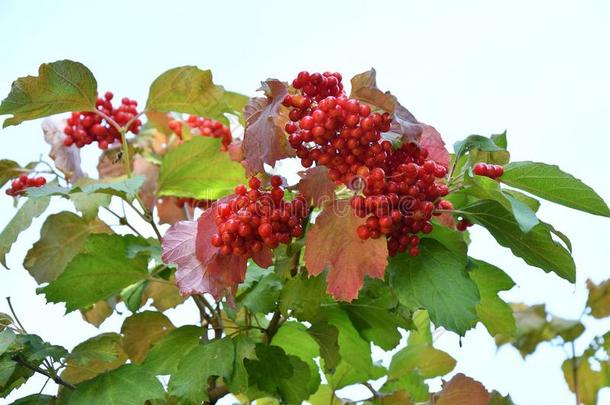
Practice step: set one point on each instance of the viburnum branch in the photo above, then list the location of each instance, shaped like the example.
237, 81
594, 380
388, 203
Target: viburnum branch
575, 373
56, 378
108, 119
126, 157
273, 327
123, 221
216, 393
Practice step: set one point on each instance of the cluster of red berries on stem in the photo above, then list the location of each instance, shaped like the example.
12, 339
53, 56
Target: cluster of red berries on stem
84, 128
400, 187
256, 218
488, 170
204, 127
19, 184
463, 224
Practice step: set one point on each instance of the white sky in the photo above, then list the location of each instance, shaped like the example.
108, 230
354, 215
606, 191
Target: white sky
538, 69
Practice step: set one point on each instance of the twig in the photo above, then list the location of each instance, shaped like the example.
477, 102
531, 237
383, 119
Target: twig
123, 221
57, 379
217, 393
274, 325
10, 306
575, 373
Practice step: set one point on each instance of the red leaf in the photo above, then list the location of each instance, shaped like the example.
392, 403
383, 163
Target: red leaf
215, 275
317, 186
169, 212
264, 138
332, 243
431, 140
462, 390
404, 124
150, 171
67, 159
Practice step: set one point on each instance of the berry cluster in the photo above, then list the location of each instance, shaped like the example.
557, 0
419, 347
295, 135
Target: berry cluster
327, 128
256, 218
204, 127
487, 170
400, 187
86, 127
19, 185
463, 224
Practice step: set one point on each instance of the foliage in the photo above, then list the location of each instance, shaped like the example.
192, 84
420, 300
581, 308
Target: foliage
276, 314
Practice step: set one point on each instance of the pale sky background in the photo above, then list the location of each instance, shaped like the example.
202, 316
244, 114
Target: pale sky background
538, 69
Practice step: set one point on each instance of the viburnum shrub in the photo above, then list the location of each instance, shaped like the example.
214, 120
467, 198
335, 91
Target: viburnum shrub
295, 273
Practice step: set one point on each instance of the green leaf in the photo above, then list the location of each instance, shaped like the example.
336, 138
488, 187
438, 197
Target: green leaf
279, 374
531, 202
128, 385
537, 247
212, 359
132, 295
140, 331
355, 352
496, 315
93, 357
19, 223
89, 203
294, 339
190, 90
36, 399
263, 296
8, 169
7, 337
244, 349
103, 269
551, 183
60, 86
125, 188
372, 314
327, 337
199, 170
494, 148
425, 359
599, 298
34, 350
437, 281
587, 381
303, 295
62, 237
165, 355
489, 189
412, 383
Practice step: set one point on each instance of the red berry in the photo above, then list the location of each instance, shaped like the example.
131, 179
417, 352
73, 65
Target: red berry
363, 232
480, 169
254, 183
276, 181
241, 190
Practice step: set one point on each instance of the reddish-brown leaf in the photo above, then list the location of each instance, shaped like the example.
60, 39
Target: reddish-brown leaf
332, 243
264, 138
316, 186
169, 212
194, 276
150, 171
67, 159
462, 390
404, 124
236, 150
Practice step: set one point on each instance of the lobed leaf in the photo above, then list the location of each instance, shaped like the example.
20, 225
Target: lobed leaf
140, 331
60, 86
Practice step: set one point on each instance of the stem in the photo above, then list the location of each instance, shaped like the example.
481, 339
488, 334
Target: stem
55, 378
370, 388
10, 306
109, 120
575, 373
123, 221
126, 157
274, 325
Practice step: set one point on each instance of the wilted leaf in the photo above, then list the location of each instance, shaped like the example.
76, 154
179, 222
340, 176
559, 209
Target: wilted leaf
316, 186
164, 296
101, 270
97, 313
94, 356
59, 87
150, 172
462, 390
599, 298
19, 223
62, 237
265, 140
66, 159
332, 242
140, 331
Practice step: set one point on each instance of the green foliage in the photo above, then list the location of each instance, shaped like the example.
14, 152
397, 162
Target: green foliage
437, 281
59, 87
20, 222
101, 270
196, 169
